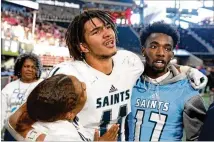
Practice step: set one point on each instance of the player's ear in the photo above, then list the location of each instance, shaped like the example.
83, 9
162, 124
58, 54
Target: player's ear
84, 48
70, 115
172, 55
143, 51
83, 85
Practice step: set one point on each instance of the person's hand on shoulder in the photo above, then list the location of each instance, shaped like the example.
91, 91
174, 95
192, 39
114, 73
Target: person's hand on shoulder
197, 79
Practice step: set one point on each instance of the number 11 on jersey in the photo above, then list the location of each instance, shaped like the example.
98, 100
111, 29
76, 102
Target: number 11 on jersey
106, 121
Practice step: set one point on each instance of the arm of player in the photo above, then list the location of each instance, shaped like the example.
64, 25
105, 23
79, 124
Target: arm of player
110, 135
193, 117
197, 79
3, 109
28, 134
12, 122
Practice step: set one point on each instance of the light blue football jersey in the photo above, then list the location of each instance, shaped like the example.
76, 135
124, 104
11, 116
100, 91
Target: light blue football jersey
157, 110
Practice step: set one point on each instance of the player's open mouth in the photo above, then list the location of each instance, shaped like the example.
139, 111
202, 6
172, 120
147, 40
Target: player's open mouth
159, 63
109, 43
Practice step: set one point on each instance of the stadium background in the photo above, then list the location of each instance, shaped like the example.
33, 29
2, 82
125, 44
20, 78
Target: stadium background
39, 26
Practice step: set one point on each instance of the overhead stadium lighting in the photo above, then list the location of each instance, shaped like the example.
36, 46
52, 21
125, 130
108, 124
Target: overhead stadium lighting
137, 2
184, 25
135, 18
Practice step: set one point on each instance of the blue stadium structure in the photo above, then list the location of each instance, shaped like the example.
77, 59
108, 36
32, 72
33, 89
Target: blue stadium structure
53, 17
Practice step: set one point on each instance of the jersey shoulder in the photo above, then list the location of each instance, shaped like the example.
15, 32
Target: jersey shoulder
189, 90
68, 68
186, 91
124, 54
128, 59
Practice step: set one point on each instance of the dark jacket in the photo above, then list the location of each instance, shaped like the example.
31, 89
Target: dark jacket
207, 132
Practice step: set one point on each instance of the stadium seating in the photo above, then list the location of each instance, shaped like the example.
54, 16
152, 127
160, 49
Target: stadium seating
128, 39
189, 43
206, 33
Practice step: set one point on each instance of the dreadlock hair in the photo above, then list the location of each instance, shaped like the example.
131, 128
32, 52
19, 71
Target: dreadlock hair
49, 101
75, 32
160, 27
20, 61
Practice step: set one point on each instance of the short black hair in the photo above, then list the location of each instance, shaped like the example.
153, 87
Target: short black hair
75, 32
160, 27
20, 61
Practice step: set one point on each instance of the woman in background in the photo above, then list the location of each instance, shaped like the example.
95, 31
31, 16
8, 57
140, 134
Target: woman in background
28, 69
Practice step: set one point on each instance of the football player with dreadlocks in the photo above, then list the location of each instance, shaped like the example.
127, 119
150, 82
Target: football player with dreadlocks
109, 74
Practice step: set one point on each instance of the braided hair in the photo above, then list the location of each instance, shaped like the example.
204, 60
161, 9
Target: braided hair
75, 32
20, 61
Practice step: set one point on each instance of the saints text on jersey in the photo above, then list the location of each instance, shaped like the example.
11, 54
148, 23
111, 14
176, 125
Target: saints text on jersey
153, 104
113, 99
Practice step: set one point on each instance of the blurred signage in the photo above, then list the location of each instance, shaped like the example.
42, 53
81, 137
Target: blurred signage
9, 47
25, 3
14, 48
58, 3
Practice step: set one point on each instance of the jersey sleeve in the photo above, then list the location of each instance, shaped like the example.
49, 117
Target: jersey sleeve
193, 117
4, 97
13, 132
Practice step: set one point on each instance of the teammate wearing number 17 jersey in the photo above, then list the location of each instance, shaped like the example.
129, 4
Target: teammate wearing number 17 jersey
163, 101
109, 74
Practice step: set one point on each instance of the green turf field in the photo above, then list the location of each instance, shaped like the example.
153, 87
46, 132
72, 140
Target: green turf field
206, 99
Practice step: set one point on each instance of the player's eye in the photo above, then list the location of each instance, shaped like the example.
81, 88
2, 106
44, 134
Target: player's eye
108, 26
168, 48
96, 32
153, 46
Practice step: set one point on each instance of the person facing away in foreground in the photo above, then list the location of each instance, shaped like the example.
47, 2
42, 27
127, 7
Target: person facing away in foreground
28, 69
108, 74
163, 101
51, 109
207, 133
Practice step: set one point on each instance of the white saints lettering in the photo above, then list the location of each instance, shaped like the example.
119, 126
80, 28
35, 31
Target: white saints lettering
153, 104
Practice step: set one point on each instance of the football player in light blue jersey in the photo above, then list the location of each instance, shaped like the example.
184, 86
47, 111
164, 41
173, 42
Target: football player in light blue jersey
163, 102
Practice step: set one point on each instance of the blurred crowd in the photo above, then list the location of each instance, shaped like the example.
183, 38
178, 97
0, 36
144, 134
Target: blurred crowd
207, 21
17, 25
209, 72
